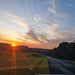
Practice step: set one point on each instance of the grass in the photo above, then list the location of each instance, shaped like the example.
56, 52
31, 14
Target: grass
38, 64
6, 60
18, 72
43, 66
70, 61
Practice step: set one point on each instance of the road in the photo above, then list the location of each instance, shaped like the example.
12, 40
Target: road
57, 66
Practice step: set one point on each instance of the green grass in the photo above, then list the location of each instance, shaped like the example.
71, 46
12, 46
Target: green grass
43, 66
6, 60
18, 72
70, 61
24, 65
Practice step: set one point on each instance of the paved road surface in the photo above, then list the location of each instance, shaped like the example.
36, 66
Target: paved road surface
57, 66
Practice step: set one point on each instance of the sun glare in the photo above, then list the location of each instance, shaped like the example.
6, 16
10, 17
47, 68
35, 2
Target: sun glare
13, 45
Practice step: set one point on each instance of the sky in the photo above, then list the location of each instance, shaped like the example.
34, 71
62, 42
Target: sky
37, 23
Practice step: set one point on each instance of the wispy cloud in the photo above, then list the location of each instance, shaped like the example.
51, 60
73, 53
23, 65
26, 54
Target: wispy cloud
52, 6
37, 18
50, 30
52, 10
52, 34
16, 19
42, 30
45, 31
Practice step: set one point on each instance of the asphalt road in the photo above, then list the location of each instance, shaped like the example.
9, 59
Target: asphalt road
57, 66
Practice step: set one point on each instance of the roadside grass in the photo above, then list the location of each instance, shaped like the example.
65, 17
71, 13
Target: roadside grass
7, 59
32, 63
70, 61
18, 72
43, 67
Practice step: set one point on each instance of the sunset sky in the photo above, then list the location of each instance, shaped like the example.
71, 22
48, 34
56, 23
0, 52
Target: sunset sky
37, 23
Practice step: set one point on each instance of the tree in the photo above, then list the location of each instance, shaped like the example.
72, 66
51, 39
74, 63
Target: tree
65, 50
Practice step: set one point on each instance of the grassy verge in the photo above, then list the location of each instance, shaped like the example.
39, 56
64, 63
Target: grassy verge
43, 67
70, 61
18, 72
7, 59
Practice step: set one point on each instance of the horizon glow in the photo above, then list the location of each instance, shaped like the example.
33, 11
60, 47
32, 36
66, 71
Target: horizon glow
37, 23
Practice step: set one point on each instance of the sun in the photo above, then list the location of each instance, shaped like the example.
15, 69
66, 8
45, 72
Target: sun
13, 45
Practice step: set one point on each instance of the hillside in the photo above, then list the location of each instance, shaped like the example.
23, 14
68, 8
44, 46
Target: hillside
8, 48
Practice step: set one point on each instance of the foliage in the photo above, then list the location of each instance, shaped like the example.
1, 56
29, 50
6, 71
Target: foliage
65, 50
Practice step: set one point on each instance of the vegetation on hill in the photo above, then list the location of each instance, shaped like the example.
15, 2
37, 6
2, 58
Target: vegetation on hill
65, 50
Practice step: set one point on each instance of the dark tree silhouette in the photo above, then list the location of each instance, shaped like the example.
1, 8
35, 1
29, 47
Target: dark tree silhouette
65, 50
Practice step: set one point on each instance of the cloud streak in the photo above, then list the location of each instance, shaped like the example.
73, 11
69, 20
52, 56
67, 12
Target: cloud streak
42, 30
16, 19
52, 6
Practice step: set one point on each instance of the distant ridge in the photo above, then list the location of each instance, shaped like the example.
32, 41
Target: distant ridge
7, 47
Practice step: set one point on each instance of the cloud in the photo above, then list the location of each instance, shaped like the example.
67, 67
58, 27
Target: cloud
9, 35
37, 18
16, 19
52, 33
9, 32
52, 10
37, 37
43, 31
53, 3
48, 31
52, 6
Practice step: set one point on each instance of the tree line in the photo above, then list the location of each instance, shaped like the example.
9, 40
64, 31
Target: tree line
65, 50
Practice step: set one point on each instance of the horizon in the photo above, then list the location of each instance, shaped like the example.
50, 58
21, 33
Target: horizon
37, 23
23, 45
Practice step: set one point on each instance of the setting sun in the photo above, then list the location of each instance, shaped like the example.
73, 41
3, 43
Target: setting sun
13, 45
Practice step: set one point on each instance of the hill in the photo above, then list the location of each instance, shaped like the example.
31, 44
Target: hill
7, 47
